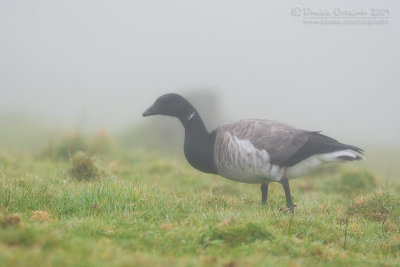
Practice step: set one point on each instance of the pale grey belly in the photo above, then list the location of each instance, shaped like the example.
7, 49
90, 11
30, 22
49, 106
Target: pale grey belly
251, 178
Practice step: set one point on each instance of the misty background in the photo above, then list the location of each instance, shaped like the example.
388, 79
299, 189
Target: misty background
93, 65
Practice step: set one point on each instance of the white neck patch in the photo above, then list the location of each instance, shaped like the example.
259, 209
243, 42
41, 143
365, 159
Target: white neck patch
191, 115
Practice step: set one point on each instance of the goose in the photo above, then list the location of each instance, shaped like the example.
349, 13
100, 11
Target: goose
255, 151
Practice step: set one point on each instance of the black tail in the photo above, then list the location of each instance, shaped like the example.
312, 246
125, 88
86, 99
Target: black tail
330, 144
318, 144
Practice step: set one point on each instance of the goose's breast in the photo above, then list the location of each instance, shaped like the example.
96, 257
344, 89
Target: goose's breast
240, 160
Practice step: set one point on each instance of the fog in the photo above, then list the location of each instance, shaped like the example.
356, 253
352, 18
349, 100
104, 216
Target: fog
102, 63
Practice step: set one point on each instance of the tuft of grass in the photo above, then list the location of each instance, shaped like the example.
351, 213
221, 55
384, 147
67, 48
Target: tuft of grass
380, 206
68, 146
352, 182
10, 219
83, 167
235, 235
359, 180
41, 215
161, 167
101, 143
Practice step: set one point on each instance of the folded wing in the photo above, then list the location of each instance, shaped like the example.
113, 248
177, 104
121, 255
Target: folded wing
285, 144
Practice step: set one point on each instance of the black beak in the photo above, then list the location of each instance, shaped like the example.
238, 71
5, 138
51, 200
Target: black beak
150, 111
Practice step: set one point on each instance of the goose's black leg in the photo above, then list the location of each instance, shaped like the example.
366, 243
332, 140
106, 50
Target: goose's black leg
289, 203
264, 193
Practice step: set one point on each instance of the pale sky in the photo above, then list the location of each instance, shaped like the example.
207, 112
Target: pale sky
107, 61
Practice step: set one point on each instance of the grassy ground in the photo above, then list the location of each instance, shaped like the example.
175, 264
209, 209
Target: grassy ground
143, 209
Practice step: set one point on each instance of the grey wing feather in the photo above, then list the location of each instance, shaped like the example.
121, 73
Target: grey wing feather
281, 141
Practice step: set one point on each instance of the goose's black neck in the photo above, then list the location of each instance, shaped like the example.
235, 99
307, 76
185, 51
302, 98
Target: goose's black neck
199, 143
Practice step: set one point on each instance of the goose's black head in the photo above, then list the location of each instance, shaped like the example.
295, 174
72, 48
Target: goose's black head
199, 144
172, 105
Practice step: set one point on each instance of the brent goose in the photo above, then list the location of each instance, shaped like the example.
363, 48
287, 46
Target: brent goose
252, 151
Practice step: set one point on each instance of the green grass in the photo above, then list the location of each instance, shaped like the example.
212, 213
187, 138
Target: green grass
149, 210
